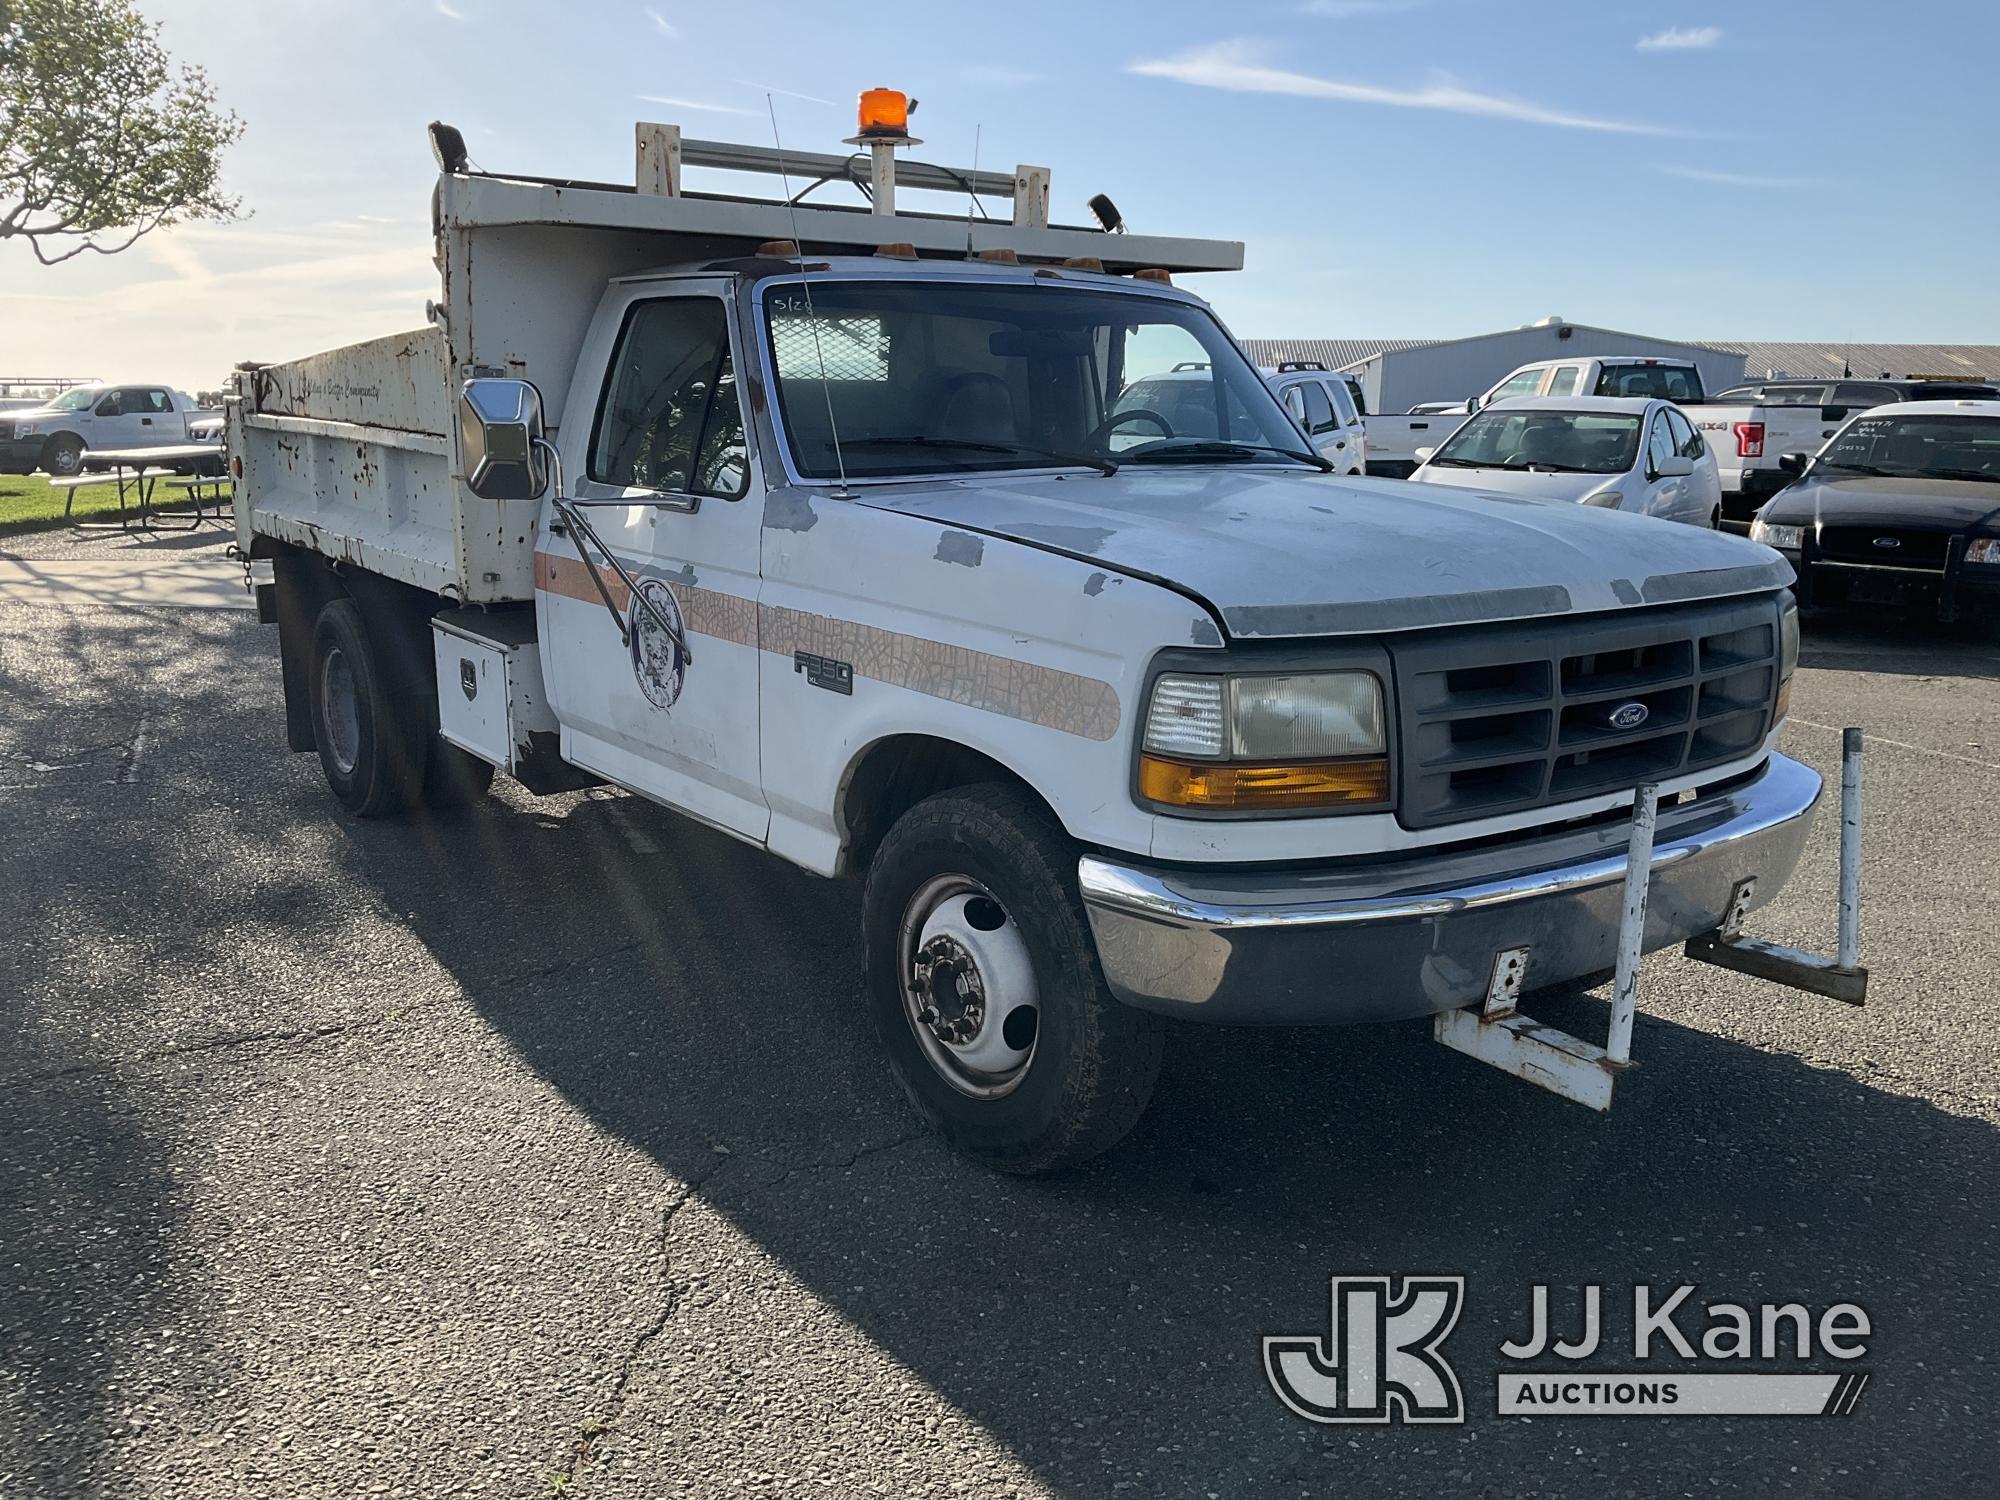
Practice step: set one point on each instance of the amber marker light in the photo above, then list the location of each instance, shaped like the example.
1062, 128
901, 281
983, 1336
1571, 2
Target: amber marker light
1260, 788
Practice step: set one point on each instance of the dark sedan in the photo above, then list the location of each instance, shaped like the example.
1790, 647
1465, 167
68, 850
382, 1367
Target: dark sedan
1900, 510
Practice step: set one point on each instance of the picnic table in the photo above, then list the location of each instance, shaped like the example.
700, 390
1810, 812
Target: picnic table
137, 472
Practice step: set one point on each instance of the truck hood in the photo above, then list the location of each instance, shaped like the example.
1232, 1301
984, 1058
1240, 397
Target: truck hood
1547, 486
1277, 555
1866, 500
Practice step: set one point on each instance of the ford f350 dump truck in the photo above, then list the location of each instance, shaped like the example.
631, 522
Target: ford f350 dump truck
828, 527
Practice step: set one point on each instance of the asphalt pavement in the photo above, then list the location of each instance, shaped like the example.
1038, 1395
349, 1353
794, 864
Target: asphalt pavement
543, 1149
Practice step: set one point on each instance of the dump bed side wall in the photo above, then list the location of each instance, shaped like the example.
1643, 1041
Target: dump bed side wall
350, 453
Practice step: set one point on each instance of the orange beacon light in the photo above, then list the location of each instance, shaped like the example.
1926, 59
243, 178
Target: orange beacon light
883, 114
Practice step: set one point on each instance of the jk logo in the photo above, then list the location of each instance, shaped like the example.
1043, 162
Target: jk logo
1379, 1361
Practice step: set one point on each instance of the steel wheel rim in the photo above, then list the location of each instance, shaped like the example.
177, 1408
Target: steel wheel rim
340, 710
947, 936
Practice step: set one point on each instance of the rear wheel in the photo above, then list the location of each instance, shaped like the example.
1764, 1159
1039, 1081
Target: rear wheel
373, 760
985, 986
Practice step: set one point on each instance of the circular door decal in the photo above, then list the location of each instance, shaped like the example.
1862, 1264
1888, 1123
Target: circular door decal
657, 660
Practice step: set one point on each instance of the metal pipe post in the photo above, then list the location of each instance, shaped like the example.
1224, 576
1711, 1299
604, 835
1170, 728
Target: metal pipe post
1632, 922
882, 175
1850, 848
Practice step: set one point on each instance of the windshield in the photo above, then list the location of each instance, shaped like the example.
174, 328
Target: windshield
1918, 446
78, 399
1669, 382
1577, 442
944, 377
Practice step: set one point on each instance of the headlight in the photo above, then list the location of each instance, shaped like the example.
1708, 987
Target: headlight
1985, 550
1254, 743
1784, 538
27, 429
1609, 499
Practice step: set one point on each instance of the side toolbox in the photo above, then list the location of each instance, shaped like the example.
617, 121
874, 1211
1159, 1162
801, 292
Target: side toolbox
491, 702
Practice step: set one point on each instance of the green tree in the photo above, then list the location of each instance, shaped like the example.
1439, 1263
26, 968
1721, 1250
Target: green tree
102, 139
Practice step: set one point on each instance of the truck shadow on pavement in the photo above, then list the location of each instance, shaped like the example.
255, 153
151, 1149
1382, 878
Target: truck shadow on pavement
701, 1001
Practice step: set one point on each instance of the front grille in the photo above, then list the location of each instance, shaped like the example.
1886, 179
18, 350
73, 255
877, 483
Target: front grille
1865, 544
1506, 718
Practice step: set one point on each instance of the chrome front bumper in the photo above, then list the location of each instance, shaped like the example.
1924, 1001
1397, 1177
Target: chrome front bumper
1379, 940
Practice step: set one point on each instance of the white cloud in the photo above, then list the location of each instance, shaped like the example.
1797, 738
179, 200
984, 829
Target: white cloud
449, 11
712, 109
1681, 39
1735, 179
771, 88
188, 326
1236, 66
661, 24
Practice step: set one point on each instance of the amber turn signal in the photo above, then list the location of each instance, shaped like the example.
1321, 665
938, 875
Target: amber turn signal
1241, 788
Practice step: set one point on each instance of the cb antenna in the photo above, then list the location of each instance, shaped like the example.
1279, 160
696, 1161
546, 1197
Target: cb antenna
972, 189
812, 318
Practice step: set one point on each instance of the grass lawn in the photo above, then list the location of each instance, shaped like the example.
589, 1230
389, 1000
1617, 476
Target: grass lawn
28, 504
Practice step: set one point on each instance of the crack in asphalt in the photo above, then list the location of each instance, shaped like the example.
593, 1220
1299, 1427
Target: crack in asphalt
582, 1450
225, 1043
348, 1027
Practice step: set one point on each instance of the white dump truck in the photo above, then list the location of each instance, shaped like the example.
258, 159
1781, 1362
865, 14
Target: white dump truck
829, 527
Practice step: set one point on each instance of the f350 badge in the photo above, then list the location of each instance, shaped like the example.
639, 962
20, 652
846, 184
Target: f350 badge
658, 660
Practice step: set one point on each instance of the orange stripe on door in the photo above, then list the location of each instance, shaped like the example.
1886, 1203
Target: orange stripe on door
1028, 691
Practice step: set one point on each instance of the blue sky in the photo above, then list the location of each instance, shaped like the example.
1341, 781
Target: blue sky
1397, 168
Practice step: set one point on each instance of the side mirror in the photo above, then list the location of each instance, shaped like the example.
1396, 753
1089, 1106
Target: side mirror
1423, 455
1674, 466
1793, 464
500, 439
1472, 406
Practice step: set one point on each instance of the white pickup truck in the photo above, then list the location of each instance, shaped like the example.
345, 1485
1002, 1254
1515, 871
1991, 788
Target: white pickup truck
55, 436
827, 527
1393, 439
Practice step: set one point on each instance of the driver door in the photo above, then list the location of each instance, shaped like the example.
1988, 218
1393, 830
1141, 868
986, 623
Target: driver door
115, 423
658, 456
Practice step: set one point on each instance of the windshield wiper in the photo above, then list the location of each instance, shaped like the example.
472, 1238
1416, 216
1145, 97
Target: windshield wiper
1082, 460
1223, 448
1976, 476
1834, 463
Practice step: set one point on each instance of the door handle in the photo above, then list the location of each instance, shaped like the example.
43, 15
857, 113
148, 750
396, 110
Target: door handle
145, 421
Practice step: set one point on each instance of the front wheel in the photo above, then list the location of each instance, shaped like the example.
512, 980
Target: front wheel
985, 986
64, 455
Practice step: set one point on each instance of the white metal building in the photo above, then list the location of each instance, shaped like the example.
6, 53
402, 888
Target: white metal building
1397, 375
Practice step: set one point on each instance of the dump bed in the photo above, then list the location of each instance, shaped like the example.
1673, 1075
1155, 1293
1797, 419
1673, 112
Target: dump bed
354, 453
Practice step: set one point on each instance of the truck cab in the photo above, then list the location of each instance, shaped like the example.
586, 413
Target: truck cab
871, 539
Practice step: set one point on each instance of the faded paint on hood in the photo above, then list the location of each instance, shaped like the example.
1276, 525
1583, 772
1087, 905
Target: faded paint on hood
1278, 555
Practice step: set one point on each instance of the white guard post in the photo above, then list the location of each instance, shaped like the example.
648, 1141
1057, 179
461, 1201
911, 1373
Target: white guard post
1567, 1065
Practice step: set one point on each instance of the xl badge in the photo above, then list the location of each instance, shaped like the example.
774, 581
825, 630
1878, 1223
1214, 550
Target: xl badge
658, 660
1629, 715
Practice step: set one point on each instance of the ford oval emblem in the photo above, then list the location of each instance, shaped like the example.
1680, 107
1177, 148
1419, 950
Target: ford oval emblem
1888, 541
1629, 715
